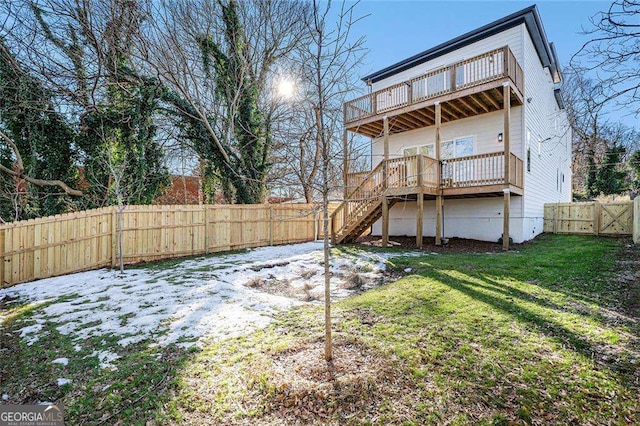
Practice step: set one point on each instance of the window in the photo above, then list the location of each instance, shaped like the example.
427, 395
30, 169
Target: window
457, 148
428, 150
529, 159
462, 171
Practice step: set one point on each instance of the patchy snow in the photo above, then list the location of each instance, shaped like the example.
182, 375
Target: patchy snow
62, 382
30, 333
105, 358
205, 298
63, 361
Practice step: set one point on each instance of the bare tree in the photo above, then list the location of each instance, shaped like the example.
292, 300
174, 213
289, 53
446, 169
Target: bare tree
218, 60
613, 53
594, 133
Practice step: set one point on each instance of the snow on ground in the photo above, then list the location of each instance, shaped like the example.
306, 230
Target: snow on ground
62, 381
63, 361
204, 298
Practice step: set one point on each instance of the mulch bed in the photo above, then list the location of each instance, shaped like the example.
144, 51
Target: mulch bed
455, 245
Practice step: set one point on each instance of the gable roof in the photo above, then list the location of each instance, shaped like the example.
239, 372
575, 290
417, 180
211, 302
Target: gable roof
529, 16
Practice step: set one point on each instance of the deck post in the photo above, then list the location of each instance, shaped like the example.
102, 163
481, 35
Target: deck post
385, 123
385, 179
438, 176
385, 222
419, 218
505, 219
345, 164
506, 94
420, 200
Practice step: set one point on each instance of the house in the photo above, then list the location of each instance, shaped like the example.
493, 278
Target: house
468, 139
183, 190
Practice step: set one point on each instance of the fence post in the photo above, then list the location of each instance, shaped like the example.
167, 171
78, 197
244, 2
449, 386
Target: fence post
206, 230
636, 220
556, 218
114, 237
270, 225
597, 210
2, 231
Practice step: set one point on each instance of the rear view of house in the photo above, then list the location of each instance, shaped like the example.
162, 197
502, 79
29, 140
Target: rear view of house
468, 139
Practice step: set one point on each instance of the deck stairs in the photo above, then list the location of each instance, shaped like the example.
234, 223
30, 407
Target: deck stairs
362, 208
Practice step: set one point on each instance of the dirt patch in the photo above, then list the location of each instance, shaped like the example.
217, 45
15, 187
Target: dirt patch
454, 245
306, 388
259, 267
6, 300
353, 282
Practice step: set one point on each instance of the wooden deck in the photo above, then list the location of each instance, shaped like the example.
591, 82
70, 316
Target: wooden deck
460, 177
464, 89
416, 177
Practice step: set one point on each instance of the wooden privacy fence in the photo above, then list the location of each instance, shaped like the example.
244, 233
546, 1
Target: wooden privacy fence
73, 242
612, 218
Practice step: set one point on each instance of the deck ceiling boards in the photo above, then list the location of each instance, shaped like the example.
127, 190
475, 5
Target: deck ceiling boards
406, 119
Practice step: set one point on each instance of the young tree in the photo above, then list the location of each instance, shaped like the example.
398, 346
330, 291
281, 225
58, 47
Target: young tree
328, 61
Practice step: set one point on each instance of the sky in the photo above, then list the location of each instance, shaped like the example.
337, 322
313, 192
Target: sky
395, 30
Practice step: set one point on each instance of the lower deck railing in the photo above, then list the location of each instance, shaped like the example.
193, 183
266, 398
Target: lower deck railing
419, 170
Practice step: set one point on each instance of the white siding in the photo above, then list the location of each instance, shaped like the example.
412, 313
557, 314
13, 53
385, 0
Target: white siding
474, 218
550, 159
511, 37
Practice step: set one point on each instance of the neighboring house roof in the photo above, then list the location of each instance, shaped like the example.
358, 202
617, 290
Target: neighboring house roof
183, 190
529, 16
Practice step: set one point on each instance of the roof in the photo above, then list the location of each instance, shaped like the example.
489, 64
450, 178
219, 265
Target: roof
529, 16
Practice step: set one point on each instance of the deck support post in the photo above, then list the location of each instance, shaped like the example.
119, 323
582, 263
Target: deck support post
419, 219
385, 222
385, 184
506, 94
345, 164
420, 200
505, 220
438, 123
385, 124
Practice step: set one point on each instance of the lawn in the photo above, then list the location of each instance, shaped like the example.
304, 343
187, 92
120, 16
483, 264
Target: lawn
546, 334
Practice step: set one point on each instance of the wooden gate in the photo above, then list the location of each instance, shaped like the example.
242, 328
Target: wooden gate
614, 218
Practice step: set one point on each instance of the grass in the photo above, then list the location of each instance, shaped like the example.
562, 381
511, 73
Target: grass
545, 335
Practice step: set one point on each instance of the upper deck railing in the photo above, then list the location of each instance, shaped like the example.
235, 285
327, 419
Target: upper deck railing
490, 66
